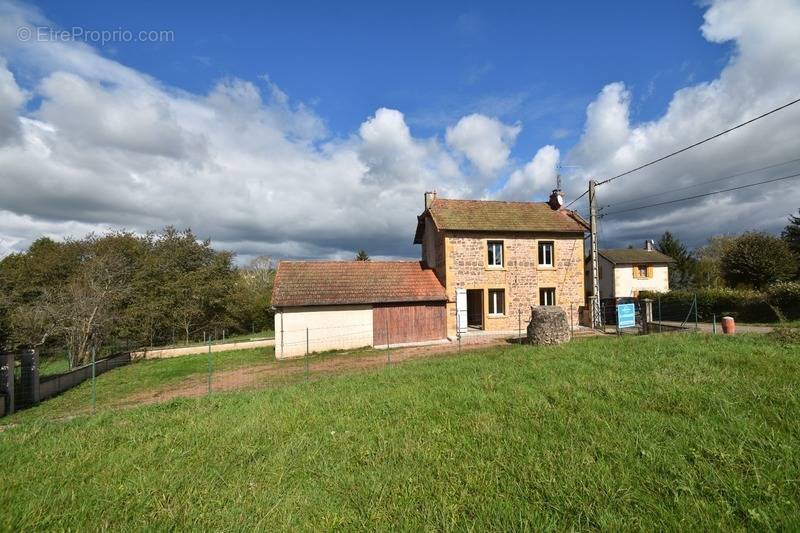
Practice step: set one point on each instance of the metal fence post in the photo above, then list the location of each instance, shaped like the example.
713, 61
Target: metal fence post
94, 378
210, 366
714, 324
658, 297
571, 322
388, 344
695, 313
458, 331
519, 325
306, 357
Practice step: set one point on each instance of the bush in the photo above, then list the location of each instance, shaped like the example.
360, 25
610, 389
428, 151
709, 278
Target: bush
742, 304
786, 297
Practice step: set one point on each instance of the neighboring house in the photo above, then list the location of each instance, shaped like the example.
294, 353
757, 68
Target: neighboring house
484, 263
626, 272
496, 259
326, 305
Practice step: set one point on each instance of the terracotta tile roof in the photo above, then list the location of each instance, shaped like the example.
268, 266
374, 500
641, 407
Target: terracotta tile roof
633, 255
491, 215
300, 283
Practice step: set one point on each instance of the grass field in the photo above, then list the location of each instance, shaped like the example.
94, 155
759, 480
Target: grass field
662, 432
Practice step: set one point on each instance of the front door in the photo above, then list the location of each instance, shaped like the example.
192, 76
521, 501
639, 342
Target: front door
475, 308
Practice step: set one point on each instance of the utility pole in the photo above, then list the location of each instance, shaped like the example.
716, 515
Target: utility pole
593, 252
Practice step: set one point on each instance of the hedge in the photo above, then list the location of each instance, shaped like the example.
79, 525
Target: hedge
779, 301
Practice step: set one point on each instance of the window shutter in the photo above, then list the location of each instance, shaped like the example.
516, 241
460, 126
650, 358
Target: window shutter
635, 272
649, 271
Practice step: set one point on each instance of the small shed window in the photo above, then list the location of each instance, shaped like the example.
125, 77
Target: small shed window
495, 253
497, 301
546, 253
547, 296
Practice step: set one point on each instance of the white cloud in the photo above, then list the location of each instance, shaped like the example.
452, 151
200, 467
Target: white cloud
87, 143
11, 99
536, 177
763, 72
485, 141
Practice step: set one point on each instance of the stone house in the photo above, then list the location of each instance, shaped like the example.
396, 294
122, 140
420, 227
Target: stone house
496, 259
484, 263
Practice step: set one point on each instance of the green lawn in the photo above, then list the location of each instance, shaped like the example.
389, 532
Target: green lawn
650, 433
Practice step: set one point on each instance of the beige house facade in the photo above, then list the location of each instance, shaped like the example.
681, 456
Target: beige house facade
624, 273
497, 259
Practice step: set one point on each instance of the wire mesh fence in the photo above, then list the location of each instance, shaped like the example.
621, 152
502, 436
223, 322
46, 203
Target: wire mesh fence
299, 355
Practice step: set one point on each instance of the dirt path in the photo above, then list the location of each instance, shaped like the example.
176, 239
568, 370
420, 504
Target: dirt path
285, 372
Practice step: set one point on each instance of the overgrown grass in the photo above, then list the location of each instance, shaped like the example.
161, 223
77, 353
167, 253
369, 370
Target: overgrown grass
654, 433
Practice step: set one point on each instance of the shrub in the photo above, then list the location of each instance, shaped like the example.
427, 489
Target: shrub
786, 297
743, 305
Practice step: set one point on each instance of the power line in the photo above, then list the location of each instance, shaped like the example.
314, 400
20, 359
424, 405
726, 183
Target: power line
701, 183
702, 195
698, 143
578, 198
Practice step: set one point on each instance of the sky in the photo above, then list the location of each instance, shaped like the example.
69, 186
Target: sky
311, 130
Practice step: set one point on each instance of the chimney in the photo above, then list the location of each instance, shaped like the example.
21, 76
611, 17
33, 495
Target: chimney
556, 200
430, 196
649, 245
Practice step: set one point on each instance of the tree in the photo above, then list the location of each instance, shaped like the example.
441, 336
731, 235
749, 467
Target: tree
681, 274
251, 301
791, 233
362, 255
708, 271
756, 260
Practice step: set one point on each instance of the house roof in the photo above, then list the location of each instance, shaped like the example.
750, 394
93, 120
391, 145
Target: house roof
492, 215
633, 255
301, 283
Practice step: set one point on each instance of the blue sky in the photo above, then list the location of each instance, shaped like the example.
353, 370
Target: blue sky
539, 63
310, 130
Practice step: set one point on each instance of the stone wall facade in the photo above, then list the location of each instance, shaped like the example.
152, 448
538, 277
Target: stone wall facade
521, 277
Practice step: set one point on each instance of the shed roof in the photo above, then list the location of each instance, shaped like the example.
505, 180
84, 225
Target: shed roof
304, 283
633, 255
493, 215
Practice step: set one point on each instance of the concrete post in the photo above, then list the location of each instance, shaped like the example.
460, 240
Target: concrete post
30, 375
647, 318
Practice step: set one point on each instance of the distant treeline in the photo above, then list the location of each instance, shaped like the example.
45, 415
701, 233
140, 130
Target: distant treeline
122, 288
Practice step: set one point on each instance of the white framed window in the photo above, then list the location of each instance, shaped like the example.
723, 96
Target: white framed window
497, 301
546, 253
547, 296
495, 250
642, 271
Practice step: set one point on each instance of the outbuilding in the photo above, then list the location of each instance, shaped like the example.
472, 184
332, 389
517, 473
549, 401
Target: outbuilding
327, 305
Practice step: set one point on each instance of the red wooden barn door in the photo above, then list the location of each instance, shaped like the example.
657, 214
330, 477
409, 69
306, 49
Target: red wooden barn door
408, 322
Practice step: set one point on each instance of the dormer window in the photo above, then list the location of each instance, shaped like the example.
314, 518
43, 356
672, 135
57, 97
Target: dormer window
495, 249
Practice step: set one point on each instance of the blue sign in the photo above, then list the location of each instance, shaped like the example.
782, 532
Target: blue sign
626, 315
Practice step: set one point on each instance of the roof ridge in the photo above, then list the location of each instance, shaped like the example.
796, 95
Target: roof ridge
481, 200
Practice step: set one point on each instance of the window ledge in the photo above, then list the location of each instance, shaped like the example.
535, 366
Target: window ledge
498, 268
545, 267
490, 315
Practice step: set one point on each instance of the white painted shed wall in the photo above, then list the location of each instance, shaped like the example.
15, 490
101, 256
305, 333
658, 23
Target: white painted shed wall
329, 328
